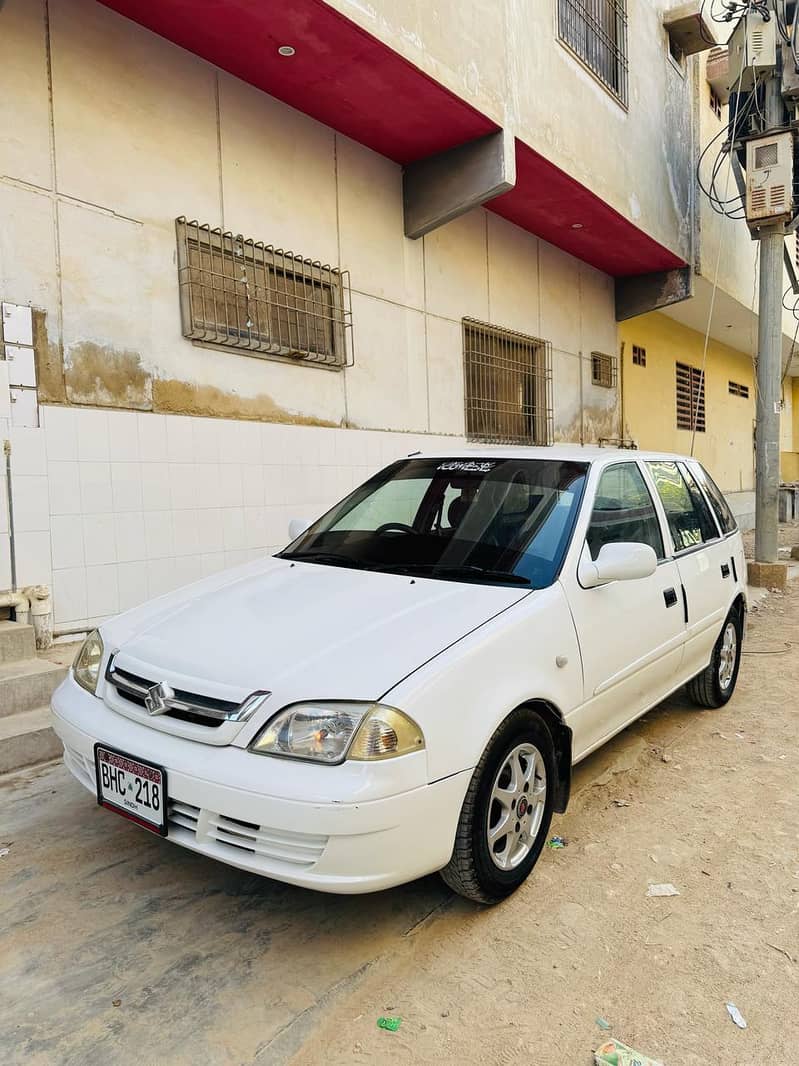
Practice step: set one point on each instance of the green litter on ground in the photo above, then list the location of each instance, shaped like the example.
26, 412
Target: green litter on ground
392, 1024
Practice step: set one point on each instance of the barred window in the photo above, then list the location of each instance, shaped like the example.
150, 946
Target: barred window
603, 370
690, 398
247, 295
716, 105
739, 390
596, 31
507, 384
639, 355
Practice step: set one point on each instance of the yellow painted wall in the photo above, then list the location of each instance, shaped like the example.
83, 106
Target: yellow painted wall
789, 456
650, 413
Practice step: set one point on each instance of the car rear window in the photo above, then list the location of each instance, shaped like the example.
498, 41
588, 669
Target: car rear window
717, 500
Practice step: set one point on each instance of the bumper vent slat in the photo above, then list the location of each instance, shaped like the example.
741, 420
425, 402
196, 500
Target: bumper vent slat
261, 842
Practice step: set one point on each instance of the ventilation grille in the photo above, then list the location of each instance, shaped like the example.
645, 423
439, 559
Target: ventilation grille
690, 390
603, 370
766, 156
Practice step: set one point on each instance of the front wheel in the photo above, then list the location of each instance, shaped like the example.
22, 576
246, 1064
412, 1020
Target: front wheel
507, 811
716, 683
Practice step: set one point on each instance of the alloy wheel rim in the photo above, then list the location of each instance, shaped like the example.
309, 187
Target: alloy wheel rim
729, 648
516, 806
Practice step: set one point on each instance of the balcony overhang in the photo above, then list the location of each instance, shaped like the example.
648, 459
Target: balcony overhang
349, 80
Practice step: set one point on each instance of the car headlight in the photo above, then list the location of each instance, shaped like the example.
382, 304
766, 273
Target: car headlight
332, 732
86, 668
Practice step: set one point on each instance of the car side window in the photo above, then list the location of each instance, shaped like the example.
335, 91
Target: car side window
716, 496
623, 511
689, 518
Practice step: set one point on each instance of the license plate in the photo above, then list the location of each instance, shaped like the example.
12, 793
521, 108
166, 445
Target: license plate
132, 788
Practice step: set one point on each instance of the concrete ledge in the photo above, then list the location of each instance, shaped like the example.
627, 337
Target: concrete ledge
768, 575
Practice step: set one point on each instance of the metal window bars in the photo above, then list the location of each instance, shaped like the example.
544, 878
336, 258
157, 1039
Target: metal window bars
690, 395
603, 370
596, 31
244, 294
507, 385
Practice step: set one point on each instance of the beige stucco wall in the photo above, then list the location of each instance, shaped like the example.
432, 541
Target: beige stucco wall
504, 57
133, 131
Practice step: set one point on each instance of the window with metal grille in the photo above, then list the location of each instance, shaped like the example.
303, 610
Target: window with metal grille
508, 385
739, 390
244, 294
603, 370
639, 355
690, 398
716, 105
596, 31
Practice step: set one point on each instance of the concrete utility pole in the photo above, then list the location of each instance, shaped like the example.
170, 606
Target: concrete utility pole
769, 362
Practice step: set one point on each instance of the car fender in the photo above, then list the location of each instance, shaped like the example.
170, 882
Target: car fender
528, 655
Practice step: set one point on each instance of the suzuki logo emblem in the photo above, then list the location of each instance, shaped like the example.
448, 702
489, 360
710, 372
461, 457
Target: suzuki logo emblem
157, 699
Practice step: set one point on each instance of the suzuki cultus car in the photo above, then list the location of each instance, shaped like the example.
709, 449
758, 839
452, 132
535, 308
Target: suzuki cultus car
407, 686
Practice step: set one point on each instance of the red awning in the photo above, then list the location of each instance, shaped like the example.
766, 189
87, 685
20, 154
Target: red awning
354, 83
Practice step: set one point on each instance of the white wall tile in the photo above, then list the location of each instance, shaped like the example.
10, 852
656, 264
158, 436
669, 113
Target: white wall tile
33, 558
99, 544
209, 530
61, 430
158, 534
132, 584
205, 439
208, 480
155, 491
69, 595
187, 568
254, 527
182, 485
31, 504
28, 455
95, 487
126, 486
212, 562
67, 537
123, 438
186, 532
92, 435
230, 491
129, 537
179, 446
152, 438
252, 485
102, 590
160, 577
64, 486
233, 528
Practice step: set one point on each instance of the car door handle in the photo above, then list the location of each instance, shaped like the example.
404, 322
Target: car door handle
670, 596
725, 569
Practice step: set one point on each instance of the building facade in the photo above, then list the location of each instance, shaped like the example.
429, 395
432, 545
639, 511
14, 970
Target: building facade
240, 269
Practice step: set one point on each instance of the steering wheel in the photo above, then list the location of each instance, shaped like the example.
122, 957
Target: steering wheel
398, 527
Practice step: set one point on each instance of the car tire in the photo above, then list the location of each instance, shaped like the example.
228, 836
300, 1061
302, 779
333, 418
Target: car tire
487, 865
716, 683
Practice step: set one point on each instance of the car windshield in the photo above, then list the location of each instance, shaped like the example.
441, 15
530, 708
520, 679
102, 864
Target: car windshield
493, 520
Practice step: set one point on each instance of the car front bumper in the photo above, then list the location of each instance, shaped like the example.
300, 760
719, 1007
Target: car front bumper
284, 820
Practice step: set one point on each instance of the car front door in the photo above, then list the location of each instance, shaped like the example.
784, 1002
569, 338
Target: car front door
702, 558
631, 632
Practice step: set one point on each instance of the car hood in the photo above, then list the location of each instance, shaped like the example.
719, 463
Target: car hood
300, 630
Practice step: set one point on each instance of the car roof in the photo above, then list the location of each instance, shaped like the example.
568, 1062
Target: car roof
588, 453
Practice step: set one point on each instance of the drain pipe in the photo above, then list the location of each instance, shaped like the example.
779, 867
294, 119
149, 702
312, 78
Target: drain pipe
12, 548
20, 602
41, 615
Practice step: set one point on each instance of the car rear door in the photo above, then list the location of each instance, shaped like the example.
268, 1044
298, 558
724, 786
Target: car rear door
701, 555
630, 632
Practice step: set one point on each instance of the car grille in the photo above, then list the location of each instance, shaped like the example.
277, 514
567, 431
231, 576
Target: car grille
183, 706
277, 845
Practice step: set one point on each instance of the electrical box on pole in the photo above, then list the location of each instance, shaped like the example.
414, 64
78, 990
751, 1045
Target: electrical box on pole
752, 51
769, 179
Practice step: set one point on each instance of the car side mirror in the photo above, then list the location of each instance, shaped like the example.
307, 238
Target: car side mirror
297, 527
616, 562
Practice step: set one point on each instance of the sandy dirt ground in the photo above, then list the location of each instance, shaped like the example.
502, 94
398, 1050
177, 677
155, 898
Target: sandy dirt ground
117, 947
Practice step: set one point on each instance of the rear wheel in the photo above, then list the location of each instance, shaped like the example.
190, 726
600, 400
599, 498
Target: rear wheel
507, 811
714, 686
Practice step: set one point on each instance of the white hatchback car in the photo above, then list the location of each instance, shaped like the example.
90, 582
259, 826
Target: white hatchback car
407, 686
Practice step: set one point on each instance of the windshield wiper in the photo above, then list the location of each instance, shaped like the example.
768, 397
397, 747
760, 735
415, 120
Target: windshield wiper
464, 570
